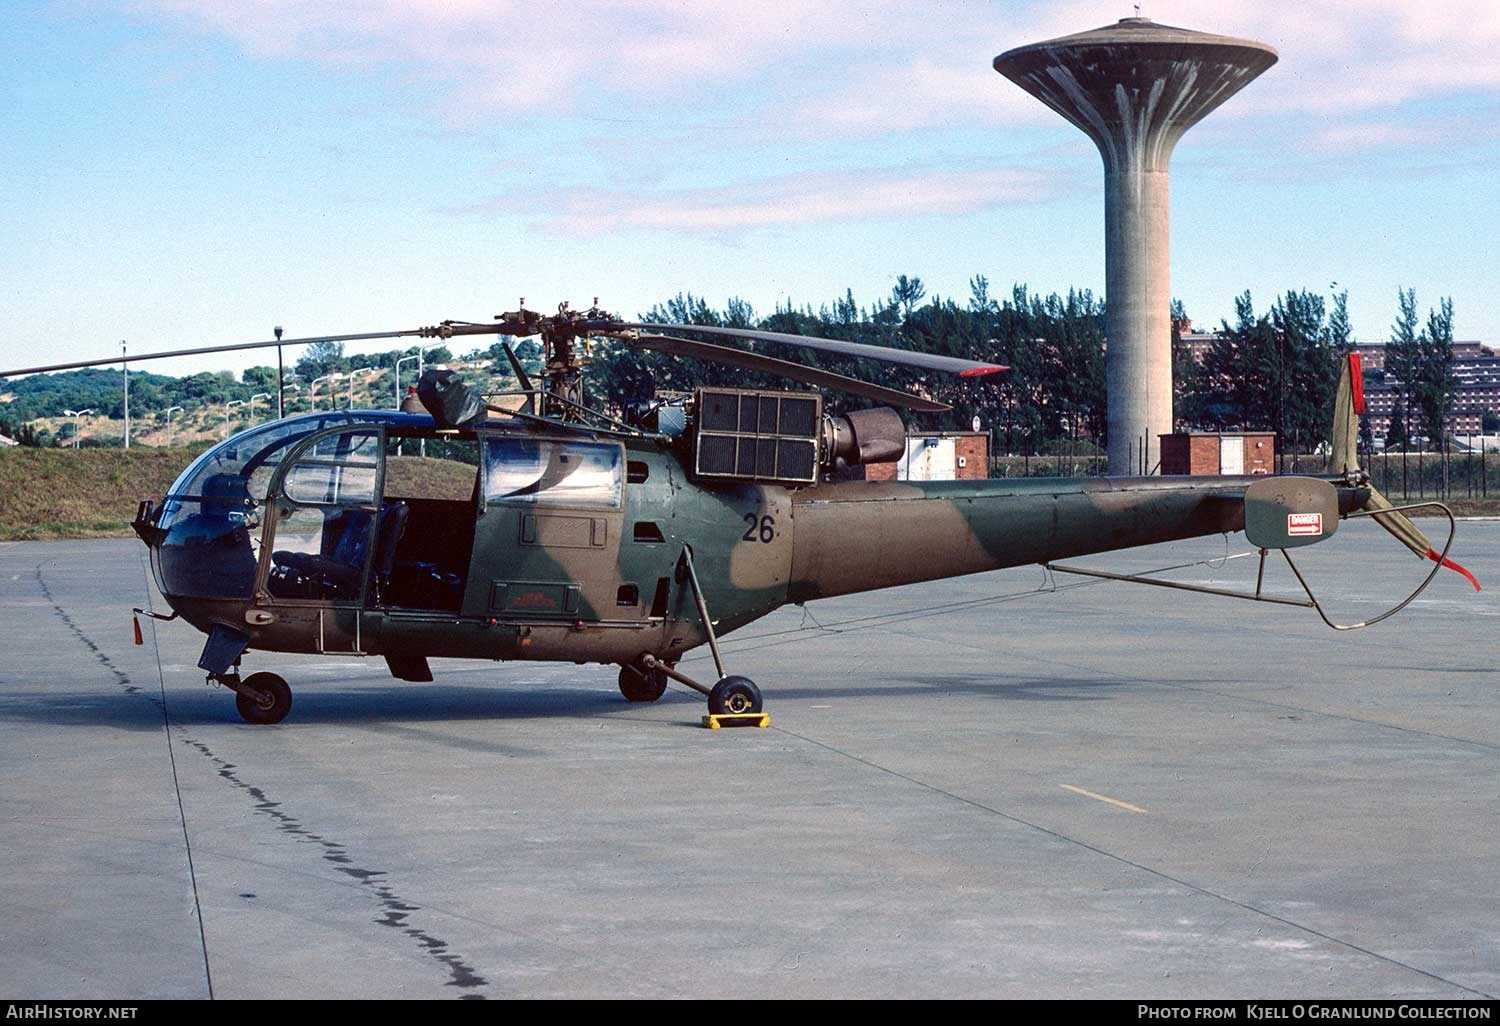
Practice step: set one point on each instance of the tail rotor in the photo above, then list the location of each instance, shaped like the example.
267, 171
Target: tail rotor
1343, 458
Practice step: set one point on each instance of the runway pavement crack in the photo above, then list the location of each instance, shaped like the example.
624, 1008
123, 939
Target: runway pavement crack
161, 703
1159, 874
395, 911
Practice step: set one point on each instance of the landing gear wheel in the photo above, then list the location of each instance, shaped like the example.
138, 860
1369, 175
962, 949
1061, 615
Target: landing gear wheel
734, 696
639, 685
277, 703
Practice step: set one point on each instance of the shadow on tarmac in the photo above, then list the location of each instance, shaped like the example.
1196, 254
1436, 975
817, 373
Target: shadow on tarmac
405, 703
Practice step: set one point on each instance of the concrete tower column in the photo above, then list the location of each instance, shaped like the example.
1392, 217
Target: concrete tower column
1135, 88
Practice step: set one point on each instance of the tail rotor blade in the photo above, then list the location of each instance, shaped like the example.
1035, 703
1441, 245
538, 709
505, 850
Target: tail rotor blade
1398, 524
1343, 458
1348, 404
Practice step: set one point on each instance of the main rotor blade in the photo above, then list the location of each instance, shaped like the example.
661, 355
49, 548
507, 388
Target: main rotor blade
137, 357
924, 361
786, 369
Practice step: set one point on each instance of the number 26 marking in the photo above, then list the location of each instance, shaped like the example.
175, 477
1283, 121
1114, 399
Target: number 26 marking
763, 529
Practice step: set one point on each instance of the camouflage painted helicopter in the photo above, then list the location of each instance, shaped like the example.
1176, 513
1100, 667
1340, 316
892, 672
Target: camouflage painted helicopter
632, 540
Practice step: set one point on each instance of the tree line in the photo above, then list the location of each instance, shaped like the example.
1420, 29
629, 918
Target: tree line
1275, 369
1270, 370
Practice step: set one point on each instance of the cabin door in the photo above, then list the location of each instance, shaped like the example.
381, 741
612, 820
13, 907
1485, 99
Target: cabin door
547, 541
323, 526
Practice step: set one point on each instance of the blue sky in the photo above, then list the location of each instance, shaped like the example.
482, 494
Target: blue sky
191, 172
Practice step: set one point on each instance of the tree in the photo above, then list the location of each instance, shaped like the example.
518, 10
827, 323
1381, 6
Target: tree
1403, 358
1435, 379
261, 379
529, 353
1340, 332
1396, 436
1309, 375
907, 294
24, 434
738, 313
1239, 371
1276, 371
1187, 395
320, 358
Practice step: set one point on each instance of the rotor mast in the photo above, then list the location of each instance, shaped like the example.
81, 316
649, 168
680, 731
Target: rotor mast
562, 358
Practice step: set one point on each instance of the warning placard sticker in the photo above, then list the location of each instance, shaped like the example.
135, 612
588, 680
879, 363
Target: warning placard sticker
1304, 524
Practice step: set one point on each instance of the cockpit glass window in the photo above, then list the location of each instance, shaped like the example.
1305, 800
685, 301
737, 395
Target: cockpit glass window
252, 455
234, 475
543, 472
338, 470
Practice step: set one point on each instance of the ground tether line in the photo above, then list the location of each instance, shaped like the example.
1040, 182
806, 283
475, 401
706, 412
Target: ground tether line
166, 719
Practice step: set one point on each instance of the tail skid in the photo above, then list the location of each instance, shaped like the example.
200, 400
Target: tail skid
1265, 545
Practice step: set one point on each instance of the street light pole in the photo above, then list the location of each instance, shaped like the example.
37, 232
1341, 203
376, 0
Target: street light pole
125, 366
78, 416
280, 375
352, 373
399, 362
333, 396
231, 404
171, 410
258, 395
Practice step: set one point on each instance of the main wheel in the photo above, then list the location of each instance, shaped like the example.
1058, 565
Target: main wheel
277, 704
734, 695
639, 685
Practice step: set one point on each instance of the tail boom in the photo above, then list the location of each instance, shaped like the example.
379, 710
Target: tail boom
861, 536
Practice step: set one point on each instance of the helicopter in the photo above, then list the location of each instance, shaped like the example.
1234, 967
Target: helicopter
633, 537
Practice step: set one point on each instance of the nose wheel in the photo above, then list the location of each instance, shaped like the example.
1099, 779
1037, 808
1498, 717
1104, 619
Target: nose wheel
262, 698
642, 684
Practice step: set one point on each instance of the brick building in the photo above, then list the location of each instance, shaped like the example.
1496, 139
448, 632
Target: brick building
937, 456
1476, 369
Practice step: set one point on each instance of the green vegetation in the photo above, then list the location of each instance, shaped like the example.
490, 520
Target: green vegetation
93, 493
88, 493
429, 478
1269, 370
1054, 346
202, 398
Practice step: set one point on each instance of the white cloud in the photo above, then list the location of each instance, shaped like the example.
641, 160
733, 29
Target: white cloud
921, 93
508, 55
839, 68
1340, 55
787, 201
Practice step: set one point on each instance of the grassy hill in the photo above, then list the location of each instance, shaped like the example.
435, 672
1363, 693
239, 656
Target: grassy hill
83, 493
93, 493
205, 420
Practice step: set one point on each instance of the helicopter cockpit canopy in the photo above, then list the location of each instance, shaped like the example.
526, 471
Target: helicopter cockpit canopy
208, 524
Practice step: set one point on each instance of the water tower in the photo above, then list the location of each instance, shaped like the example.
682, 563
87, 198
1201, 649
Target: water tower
1135, 87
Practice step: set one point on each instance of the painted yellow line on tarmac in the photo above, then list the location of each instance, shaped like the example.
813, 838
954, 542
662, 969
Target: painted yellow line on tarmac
1102, 798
